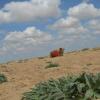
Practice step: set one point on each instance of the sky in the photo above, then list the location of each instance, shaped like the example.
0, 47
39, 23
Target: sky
32, 28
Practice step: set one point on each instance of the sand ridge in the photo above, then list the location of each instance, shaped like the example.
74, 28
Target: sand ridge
24, 74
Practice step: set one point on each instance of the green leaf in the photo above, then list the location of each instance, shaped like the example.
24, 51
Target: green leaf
83, 87
80, 87
89, 94
2, 78
87, 81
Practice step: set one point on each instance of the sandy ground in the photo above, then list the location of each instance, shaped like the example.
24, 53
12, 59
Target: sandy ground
23, 75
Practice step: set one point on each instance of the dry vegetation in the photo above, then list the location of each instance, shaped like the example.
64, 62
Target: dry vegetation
23, 74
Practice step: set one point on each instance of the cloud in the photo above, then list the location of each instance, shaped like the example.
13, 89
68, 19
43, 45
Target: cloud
84, 11
71, 31
69, 25
86, 1
75, 27
65, 23
25, 40
73, 21
94, 26
29, 10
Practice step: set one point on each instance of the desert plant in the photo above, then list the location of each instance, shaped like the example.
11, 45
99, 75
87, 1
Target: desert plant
48, 62
2, 78
88, 64
85, 49
95, 49
41, 57
51, 65
83, 87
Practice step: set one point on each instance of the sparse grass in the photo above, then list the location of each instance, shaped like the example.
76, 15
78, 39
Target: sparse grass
25, 60
89, 64
3, 66
19, 61
85, 49
95, 49
82, 87
2, 78
48, 62
52, 65
41, 57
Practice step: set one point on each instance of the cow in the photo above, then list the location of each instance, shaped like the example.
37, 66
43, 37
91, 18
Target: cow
56, 53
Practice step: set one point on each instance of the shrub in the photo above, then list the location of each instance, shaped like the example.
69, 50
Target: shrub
48, 62
83, 87
41, 57
2, 78
89, 64
51, 65
95, 49
85, 49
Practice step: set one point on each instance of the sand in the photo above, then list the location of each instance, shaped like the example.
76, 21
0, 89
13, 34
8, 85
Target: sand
24, 74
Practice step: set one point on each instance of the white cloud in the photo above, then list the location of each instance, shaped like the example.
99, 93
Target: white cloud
69, 30
86, 1
24, 40
29, 10
72, 28
65, 23
94, 26
84, 11
68, 25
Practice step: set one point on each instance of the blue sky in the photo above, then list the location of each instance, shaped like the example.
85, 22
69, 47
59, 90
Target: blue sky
31, 28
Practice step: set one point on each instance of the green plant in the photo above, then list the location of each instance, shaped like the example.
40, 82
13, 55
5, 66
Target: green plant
2, 78
83, 87
51, 65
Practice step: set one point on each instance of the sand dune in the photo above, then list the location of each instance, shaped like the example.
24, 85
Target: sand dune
24, 74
